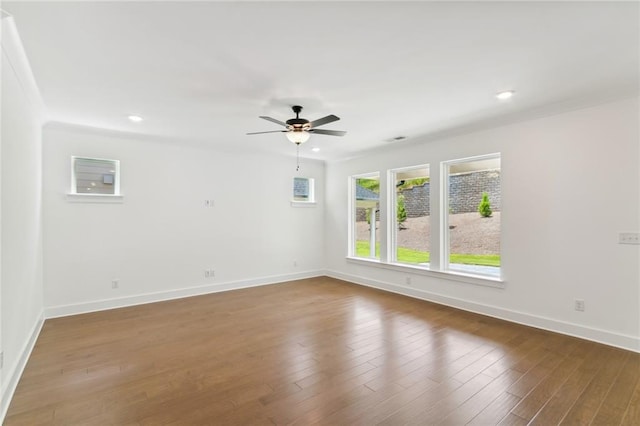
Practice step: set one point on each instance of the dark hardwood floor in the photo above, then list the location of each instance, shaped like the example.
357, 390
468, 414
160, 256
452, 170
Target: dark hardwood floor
318, 351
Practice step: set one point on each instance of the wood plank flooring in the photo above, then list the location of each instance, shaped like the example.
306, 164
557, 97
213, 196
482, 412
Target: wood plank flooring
317, 351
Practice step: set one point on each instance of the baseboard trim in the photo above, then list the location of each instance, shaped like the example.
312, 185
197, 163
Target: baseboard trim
16, 371
101, 305
623, 341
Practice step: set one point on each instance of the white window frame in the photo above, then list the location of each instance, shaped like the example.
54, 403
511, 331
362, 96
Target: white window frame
352, 215
392, 205
444, 214
439, 185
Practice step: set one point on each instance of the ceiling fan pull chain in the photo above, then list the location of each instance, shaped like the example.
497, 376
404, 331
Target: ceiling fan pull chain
297, 157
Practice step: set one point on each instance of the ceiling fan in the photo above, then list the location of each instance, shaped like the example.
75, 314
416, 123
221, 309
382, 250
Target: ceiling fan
299, 129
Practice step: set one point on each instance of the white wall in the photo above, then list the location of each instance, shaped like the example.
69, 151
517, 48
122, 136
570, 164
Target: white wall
159, 241
21, 295
570, 184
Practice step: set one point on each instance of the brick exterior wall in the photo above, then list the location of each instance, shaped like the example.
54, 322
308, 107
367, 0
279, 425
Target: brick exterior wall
417, 201
465, 191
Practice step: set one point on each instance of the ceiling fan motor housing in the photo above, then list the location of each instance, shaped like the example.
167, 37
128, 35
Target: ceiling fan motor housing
298, 124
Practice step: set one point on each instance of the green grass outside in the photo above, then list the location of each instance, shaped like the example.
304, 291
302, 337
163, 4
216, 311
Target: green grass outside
406, 255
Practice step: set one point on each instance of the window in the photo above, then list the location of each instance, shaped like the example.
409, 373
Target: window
94, 176
303, 190
365, 216
471, 213
411, 215
447, 225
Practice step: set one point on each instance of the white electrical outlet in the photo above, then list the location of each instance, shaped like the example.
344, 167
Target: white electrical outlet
115, 283
407, 280
579, 305
629, 238
208, 203
295, 263
209, 273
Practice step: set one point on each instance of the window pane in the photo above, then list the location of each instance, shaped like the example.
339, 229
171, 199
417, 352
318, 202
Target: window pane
366, 217
473, 225
95, 176
302, 189
412, 215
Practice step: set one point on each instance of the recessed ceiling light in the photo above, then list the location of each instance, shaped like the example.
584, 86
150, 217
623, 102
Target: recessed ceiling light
505, 95
135, 118
315, 149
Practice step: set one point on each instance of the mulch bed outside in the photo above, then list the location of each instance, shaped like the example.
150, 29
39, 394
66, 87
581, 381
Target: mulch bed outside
471, 233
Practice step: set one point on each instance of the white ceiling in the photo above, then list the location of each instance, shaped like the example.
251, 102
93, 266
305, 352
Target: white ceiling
202, 72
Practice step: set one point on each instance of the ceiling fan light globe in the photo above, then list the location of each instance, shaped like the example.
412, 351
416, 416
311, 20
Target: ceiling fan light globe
297, 136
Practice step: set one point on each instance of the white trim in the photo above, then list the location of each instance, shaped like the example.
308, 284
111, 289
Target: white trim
351, 213
392, 214
445, 240
483, 280
368, 175
17, 60
443, 206
105, 304
491, 156
352, 206
95, 198
303, 204
101, 131
392, 196
15, 372
623, 341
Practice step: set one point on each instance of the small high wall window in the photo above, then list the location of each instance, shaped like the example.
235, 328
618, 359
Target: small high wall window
365, 216
471, 215
303, 190
95, 176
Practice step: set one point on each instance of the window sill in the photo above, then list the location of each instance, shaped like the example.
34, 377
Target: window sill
95, 198
303, 204
447, 275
